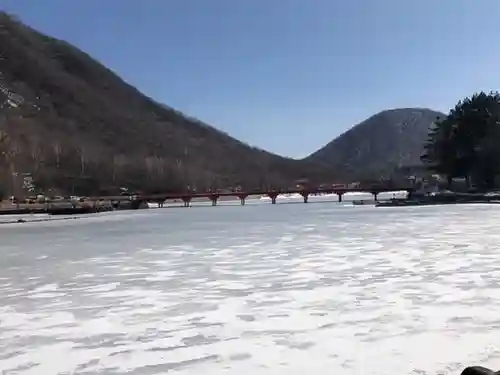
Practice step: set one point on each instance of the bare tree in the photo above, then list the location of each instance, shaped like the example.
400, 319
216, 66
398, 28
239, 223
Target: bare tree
36, 153
118, 162
81, 153
56, 146
160, 166
150, 166
3, 143
10, 151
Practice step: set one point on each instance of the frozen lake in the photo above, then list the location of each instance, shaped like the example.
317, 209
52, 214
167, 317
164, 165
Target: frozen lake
261, 289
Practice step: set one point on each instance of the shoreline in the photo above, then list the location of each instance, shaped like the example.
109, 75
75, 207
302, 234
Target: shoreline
25, 215
442, 199
23, 220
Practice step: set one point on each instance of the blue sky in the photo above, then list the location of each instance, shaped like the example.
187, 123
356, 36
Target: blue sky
285, 75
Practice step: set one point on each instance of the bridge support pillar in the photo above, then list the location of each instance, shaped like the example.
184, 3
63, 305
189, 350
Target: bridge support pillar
242, 199
214, 199
305, 195
340, 195
273, 197
375, 195
187, 201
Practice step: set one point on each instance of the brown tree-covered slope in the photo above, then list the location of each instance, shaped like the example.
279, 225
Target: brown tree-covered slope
76, 127
378, 146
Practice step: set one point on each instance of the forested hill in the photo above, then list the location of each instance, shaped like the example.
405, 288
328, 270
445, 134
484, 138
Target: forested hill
377, 146
76, 127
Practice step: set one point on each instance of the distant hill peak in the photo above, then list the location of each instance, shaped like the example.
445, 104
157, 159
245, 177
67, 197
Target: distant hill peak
378, 145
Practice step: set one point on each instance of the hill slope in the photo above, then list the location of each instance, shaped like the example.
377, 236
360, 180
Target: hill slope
76, 127
377, 146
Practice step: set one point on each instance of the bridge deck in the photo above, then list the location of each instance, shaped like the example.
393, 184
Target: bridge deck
244, 194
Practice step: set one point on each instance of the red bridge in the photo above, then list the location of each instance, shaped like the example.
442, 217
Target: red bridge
186, 198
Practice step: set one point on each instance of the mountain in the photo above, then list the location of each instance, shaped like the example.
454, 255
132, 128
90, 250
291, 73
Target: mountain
75, 127
379, 145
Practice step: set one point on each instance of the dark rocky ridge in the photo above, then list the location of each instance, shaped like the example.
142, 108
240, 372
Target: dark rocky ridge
379, 145
76, 127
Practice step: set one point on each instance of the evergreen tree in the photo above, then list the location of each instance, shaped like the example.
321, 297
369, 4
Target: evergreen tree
467, 142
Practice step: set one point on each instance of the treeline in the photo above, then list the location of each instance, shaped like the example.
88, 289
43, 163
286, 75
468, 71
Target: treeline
80, 167
466, 143
82, 164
